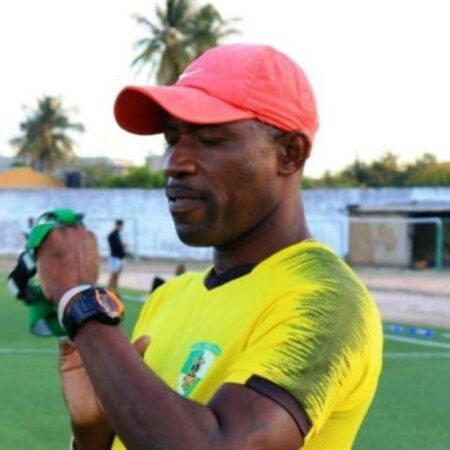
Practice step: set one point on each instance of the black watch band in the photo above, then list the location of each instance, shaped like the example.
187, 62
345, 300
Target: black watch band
92, 304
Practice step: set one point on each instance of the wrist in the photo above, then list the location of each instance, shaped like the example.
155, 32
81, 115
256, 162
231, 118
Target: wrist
67, 297
83, 304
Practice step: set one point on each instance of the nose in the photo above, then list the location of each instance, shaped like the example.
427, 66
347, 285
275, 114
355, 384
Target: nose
179, 159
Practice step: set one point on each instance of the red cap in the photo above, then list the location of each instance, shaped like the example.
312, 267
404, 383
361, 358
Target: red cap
225, 84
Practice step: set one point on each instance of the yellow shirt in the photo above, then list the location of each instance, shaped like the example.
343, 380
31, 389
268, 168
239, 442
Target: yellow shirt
300, 319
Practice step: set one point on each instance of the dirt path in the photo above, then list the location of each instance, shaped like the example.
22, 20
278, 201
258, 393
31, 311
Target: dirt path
427, 282
415, 309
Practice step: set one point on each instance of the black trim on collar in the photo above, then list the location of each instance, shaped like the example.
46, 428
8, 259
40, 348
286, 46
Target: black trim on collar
214, 279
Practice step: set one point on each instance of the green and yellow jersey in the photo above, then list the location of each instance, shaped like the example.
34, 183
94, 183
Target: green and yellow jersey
300, 320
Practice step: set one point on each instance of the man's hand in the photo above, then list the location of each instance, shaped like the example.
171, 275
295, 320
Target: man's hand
84, 407
68, 257
90, 425
79, 395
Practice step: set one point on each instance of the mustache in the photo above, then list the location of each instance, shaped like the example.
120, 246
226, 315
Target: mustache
179, 189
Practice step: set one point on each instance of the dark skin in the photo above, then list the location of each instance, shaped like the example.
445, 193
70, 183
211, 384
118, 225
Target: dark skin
232, 186
248, 185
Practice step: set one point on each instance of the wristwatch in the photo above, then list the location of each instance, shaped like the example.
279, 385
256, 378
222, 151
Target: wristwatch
93, 304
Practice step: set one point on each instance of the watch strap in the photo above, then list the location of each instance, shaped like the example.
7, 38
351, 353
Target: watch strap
68, 296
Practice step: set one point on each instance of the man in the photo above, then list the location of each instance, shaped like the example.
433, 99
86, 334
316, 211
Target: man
26, 230
278, 345
116, 255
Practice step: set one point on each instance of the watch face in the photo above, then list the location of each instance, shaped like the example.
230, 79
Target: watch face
110, 303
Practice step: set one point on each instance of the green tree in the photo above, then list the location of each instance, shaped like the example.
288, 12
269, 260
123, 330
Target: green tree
207, 28
386, 171
356, 174
427, 171
44, 143
182, 32
139, 177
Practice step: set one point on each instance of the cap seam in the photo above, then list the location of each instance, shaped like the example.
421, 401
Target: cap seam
255, 64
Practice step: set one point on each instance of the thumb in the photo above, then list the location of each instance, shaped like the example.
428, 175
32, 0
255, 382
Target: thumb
141, 344
66, 346
69, 358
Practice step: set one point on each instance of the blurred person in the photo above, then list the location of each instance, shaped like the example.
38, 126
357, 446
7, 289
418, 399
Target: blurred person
117, 253
159, 281
180, 269
276, 346
26, 230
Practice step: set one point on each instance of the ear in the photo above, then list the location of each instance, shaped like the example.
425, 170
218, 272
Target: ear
293, 150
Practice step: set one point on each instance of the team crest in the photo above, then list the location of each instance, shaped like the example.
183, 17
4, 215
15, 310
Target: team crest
194, 369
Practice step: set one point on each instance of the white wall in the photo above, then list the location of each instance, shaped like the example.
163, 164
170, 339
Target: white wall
148, 225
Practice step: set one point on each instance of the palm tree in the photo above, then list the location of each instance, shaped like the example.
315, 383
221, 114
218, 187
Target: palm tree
207, 29
183, 32
44, 143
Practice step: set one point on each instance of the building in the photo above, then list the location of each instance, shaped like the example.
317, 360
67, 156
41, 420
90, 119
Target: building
117, 166
6, 163
154, 162
86, 172
415, 234
27, 178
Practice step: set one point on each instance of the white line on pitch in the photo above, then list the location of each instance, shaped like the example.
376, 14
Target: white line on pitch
416, 355
417, 341
446, 335
27, 351
134, 298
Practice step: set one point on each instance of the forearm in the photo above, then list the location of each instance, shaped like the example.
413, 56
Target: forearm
140, 407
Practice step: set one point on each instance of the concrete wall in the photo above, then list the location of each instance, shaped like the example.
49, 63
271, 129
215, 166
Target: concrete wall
380, 244
149, 229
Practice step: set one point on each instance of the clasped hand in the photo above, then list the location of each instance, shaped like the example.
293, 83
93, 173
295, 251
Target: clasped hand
68, 257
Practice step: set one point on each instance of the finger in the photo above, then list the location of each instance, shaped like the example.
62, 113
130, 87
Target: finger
141, 344
69, 358
66, 346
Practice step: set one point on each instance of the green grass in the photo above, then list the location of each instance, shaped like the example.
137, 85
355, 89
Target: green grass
32, 412
410, 411
412, 407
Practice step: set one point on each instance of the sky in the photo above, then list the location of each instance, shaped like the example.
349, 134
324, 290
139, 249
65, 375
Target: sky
380, 70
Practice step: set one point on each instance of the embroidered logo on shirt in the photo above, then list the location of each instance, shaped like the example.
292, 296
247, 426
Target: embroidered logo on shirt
194, 369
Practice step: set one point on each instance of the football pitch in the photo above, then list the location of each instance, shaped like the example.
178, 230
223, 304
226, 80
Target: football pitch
411, 409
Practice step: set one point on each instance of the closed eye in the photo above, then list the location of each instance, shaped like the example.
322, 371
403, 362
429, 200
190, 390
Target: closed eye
211, 142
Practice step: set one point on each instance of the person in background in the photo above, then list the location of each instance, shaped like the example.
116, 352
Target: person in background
117, 253
180, 268
28, 227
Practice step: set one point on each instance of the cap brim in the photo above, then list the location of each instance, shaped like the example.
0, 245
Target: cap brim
141, 110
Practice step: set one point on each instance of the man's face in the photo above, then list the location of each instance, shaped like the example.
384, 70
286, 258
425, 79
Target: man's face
222, 180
